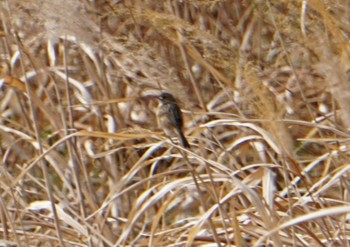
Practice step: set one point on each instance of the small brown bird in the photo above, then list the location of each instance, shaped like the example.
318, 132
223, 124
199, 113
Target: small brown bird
170, 118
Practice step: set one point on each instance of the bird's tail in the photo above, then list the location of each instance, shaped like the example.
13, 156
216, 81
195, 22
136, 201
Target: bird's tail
184, 141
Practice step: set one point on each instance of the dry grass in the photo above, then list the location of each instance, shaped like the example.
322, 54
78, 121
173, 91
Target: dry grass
264, 86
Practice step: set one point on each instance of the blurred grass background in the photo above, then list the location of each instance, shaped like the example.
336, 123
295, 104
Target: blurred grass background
264, 88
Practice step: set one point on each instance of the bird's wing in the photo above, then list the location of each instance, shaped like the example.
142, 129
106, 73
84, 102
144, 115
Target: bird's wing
176, 116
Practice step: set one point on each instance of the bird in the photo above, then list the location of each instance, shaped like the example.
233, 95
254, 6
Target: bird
170, 118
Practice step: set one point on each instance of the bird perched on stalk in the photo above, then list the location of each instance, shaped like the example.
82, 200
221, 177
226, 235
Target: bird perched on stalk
170, 118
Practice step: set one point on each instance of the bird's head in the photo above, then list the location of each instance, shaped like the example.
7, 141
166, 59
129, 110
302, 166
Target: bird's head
166, 98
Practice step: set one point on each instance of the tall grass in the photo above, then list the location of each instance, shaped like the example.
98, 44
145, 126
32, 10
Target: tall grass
264, 89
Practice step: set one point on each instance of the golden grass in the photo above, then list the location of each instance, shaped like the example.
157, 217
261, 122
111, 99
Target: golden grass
264, 90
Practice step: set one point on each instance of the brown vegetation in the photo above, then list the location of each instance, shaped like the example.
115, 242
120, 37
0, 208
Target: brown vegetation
264, 87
